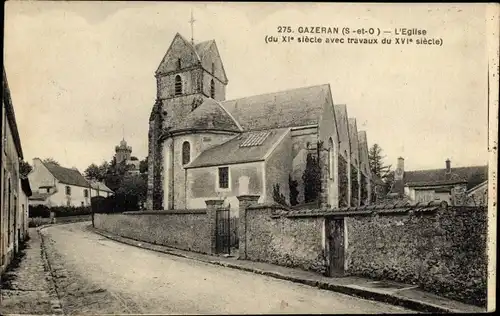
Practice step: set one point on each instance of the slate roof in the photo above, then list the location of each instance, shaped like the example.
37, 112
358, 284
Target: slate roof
209, 115
231, 152
295, 107
100, 186
67, 175
39, 196
202, 47
341, 117
472, 175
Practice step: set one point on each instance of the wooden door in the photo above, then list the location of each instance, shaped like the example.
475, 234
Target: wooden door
336, 246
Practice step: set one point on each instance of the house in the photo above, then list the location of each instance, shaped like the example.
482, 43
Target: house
448, 184
202, 146
13, 189
54, 185
100, 189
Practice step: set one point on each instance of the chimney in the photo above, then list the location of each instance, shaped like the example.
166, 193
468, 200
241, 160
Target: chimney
401, 164
448, 166
36, 161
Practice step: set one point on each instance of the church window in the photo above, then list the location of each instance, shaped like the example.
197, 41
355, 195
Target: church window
179, 63
331, 161
68, 190
224, 177
86, 193
212, 89
213, 68
186, 153
178, 85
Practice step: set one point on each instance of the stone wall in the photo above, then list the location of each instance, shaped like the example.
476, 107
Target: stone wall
291, 242
439, 248
443, 251
187, 229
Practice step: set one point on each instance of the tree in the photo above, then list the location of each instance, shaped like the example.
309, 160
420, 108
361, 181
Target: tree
51, 160
134, 186
24, 168
312, 176
379, 169
96, 173
377, 165
143, 165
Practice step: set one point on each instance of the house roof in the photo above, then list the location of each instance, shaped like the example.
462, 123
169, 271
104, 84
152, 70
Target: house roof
246, 147
25, 186
295, 107
40, 196
9, 113
100, 186
472, 175
210, 115
67, 175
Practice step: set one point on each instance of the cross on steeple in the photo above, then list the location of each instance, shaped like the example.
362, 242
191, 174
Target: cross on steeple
192, 27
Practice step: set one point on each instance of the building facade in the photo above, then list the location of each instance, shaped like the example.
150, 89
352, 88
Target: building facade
14, 190
202, 146
54, 185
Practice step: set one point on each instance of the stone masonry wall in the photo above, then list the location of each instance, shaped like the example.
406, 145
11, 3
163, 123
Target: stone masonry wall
291, 242
442, 251
187, 230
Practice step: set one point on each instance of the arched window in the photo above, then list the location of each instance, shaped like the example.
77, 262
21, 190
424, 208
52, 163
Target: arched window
186, 153
331, 158
178, 85
179, 63
212, 89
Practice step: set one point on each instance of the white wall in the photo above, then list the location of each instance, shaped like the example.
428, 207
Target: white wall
75, 199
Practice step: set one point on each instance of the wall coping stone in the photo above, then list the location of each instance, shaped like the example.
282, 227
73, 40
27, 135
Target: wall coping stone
167, 212
382, 210
215, 202
273, 206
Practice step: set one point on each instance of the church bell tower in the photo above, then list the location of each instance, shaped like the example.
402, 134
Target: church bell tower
188, 74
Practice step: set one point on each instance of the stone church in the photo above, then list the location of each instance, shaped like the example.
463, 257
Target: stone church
202, 146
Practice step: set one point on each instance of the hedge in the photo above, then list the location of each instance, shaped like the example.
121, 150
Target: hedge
43, 211
117, 203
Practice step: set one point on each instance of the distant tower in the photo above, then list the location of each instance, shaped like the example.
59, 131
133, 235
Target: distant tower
123, 152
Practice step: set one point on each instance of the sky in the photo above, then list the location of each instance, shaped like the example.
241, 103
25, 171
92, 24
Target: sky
81, 74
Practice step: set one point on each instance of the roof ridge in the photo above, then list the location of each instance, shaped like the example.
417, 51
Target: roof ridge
276, 92
440, 169
230, 115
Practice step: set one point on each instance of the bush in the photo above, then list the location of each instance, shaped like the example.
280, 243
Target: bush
117, 203
38, 221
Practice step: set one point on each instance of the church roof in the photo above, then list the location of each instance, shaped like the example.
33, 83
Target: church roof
246, 147
202, 48
67, 175
210, 115
296, 107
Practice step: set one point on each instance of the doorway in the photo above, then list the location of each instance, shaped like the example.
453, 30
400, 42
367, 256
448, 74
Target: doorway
336, 241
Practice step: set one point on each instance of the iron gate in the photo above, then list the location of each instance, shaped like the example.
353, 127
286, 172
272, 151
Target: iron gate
223, 232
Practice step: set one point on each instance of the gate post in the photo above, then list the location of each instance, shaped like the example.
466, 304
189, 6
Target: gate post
212, 207
244, 202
